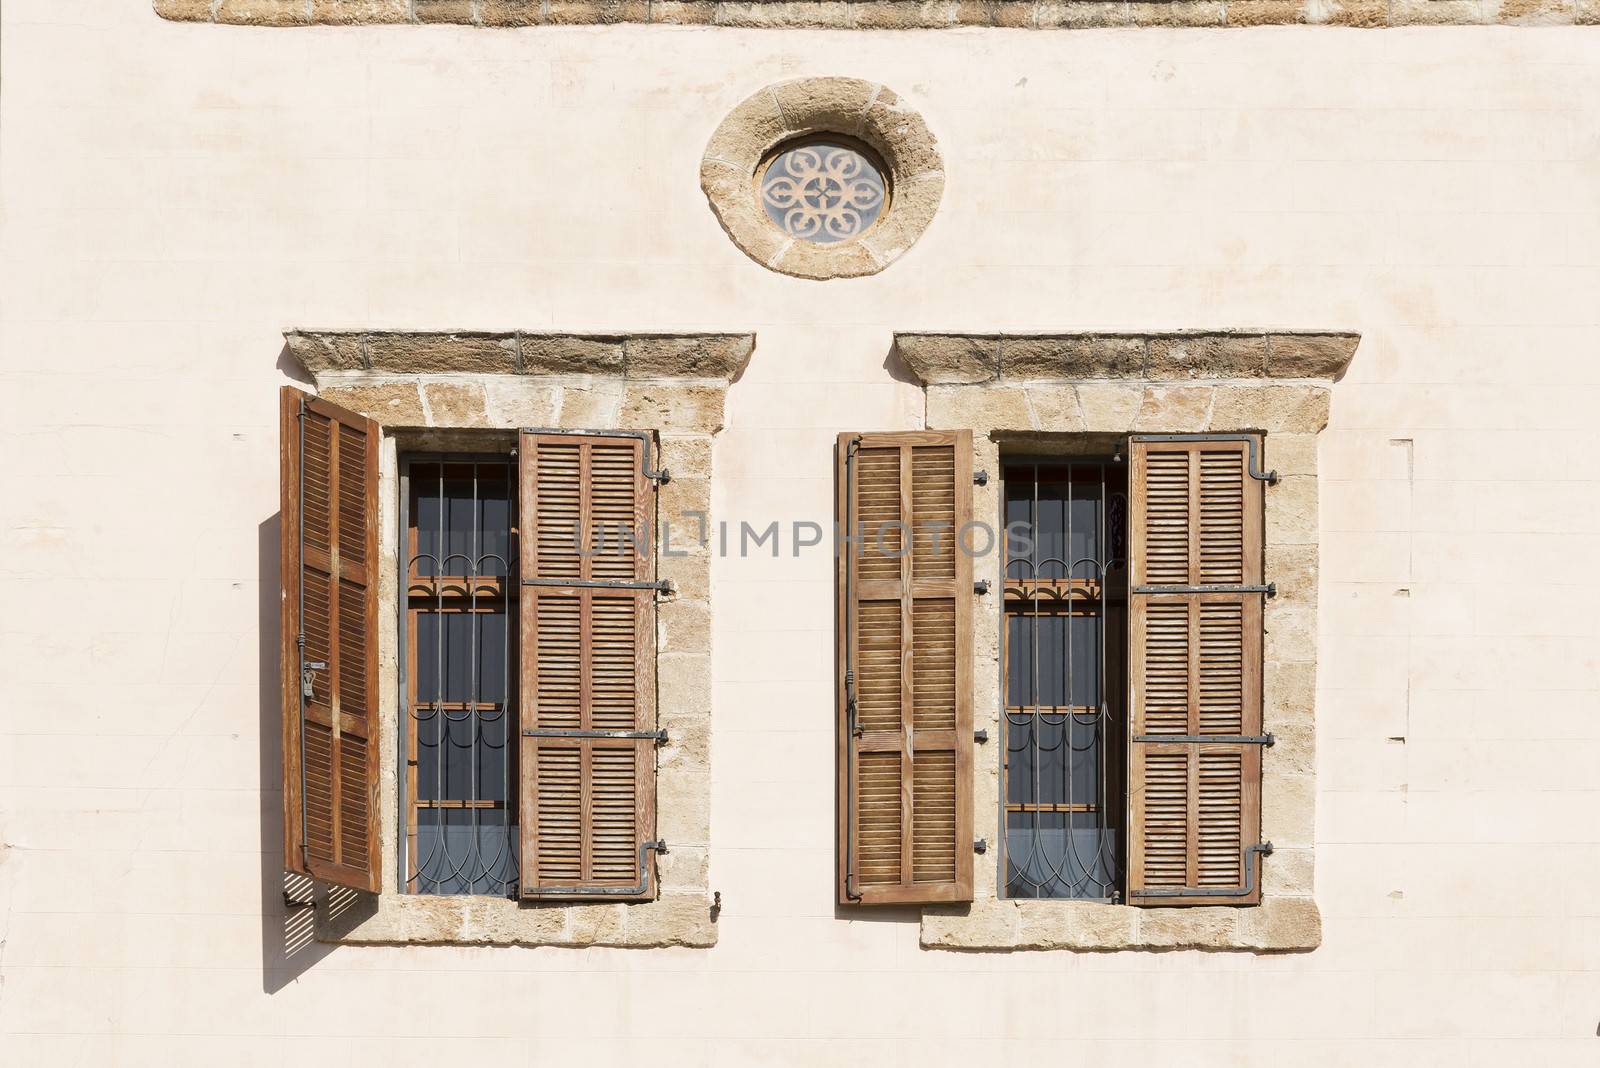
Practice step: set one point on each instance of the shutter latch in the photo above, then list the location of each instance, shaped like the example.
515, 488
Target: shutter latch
308, 676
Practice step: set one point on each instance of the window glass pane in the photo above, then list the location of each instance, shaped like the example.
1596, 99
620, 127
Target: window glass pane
464, 851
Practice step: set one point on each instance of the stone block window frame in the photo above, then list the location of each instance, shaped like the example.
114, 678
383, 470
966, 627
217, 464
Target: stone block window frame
1017, 392
464, 393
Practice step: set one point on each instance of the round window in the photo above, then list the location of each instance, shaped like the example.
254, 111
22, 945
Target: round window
824, 189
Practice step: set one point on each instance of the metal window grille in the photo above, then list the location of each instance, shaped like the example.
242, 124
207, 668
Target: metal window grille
1064, 634
458, 746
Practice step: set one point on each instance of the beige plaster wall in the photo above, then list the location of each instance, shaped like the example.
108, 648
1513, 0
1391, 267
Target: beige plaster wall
174, 196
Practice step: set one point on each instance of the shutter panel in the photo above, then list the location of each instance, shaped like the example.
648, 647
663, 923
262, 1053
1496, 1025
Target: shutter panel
328, 527
1195, 665
588, 706
905, 688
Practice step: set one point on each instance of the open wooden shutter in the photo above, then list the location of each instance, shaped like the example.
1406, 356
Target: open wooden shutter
588, 697
1195, 665
905, 686
328, 527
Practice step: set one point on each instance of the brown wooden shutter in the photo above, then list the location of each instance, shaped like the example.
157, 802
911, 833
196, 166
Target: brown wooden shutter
328, 527
905, 686
1195, 665
588, 704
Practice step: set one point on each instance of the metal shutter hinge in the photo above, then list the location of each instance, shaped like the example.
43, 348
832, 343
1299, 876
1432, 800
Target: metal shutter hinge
980, 478
981, 587
980, 845
980, 736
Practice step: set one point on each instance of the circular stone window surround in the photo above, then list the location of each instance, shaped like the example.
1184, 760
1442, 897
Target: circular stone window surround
850, 108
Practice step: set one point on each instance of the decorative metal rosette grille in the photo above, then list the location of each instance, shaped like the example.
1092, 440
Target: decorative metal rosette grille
823, 192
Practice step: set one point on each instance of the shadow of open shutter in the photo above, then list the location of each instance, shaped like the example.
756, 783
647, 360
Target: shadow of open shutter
1195, 670
328, 526
905, 686
588, 665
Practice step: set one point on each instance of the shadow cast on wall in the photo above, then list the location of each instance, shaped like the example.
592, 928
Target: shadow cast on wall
288, 918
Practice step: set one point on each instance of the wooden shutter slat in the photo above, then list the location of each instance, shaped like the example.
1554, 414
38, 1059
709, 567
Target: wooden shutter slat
328, 525
905, 806
1195, 671
588, 656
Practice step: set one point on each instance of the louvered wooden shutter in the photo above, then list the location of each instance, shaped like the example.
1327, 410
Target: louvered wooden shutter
328, 527
905, 688
1195, 664
588, 666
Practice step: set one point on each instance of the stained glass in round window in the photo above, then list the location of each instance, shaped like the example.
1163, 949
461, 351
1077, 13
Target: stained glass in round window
823, 190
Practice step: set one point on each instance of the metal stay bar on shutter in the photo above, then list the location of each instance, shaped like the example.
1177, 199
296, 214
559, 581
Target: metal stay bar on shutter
640, 889
641, 436
1249, 887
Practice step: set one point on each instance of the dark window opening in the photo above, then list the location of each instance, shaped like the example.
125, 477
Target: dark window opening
1065, 654
459, 733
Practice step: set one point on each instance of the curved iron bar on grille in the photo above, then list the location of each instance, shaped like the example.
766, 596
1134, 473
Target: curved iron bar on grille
1080, 877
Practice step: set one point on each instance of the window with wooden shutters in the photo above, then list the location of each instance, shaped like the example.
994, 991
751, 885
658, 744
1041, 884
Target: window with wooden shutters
328, 526
905, 701
588, 665
1195, 665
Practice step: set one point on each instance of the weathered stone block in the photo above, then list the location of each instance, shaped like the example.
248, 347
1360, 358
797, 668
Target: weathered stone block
1109, 408
1277, 408
1177, 13
1053, 408
895, 129
1072, 356
1291, 632
514, 402
262, 13
565, 354
1208, 356
690, 575
1287, 923
1286, 873
685, 626
984, 924
1434, 12
1189, 928
443, 10
397, 404
687, 457
1267, 12
676, 408
898, 15
721, 356
1080, 14
674, 920
597, 12
1290, 454
318, 353
803, 259
360, 12
1174, 409
683, 683
593, 406
184, 10
950, 359
824, 103
442, 353
509, 12
455, 404
601, 924
1294, 569
1531, 12
1310, 355
1289, 810
1292, 511
958, 407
